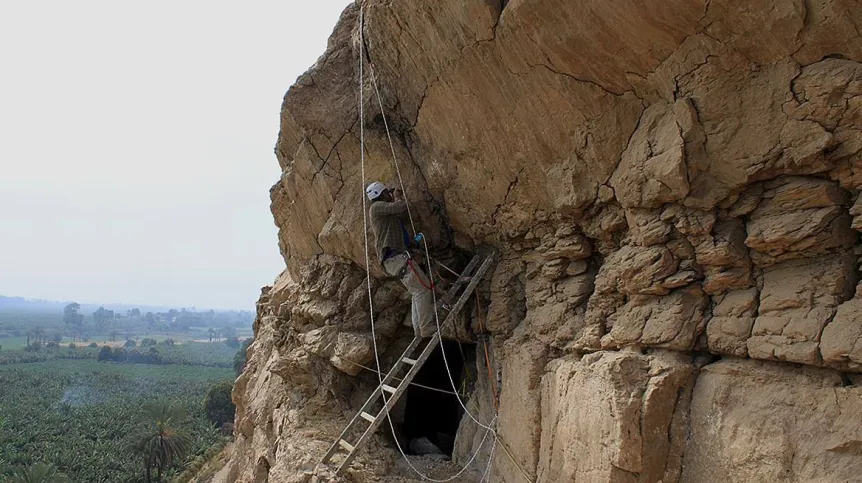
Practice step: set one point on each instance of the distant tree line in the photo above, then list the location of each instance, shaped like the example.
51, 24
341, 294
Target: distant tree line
222, 324
134, 356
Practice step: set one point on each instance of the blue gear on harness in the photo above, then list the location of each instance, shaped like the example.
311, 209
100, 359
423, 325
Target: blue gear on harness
407, 241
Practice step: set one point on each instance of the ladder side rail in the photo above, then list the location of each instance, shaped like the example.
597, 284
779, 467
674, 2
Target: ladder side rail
465, 296
466, 273
400, 361
423, 358
474, 282
333, 448
414, 369
392, 400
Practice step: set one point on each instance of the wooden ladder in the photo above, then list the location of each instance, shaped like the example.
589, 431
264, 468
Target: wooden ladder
392, 393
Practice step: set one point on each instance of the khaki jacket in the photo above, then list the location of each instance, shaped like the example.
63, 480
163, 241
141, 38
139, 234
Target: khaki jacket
386, 223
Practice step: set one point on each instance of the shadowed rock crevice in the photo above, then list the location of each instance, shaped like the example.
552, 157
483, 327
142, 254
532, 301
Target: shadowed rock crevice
434, 416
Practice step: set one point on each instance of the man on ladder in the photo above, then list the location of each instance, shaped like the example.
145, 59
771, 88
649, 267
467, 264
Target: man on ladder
392, 243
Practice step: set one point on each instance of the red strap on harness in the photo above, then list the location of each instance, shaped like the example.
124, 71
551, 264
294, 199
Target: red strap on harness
412, 265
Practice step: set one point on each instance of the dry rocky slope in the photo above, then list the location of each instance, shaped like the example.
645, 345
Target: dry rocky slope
673, 191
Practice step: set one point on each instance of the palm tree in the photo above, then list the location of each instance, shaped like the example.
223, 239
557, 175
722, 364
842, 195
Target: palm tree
160, 441
38, 473
211, 333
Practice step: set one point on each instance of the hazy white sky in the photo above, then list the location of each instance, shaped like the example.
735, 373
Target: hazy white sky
136, 145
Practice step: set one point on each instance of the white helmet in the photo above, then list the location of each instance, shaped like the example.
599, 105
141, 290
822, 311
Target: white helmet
374, 190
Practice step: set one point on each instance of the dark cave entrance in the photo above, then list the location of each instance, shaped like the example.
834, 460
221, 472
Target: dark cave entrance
435, 415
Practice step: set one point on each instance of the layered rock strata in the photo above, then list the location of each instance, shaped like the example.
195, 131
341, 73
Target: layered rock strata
673, 192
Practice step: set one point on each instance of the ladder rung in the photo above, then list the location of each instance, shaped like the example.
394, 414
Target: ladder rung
472, 280
367, 417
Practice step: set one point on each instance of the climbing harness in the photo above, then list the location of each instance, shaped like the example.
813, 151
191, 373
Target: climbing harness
412, 264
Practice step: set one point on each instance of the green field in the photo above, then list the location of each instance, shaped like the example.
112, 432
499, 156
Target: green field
80, 415
12, 343
216, 354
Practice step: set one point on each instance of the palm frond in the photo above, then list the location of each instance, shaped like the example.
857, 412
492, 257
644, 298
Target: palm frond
38, 473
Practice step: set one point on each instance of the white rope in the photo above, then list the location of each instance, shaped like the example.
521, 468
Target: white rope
440, 334
489, 427
392, 148
427, 254
415, 384
364, 200
368, 266
487, 472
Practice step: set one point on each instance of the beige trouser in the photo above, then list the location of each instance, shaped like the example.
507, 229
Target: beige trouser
422, 312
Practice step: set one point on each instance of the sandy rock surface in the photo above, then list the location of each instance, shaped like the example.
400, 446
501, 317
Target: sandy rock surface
672, 190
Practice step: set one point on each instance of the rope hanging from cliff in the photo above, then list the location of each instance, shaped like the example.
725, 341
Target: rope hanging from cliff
392, 149
401, 182
488, 428
425, 242
413, 226
368, 268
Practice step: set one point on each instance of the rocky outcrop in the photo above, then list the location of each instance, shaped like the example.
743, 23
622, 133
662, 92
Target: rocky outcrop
636, 403
673, 193
760, 422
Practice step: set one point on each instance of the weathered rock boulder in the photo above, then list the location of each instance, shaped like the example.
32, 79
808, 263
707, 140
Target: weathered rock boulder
763, 422
841, 342
614, 416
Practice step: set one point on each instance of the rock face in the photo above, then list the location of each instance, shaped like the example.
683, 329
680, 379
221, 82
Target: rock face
673, 193
755, 421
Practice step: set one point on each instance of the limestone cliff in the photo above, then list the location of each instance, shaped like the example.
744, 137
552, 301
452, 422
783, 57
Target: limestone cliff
673, 191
